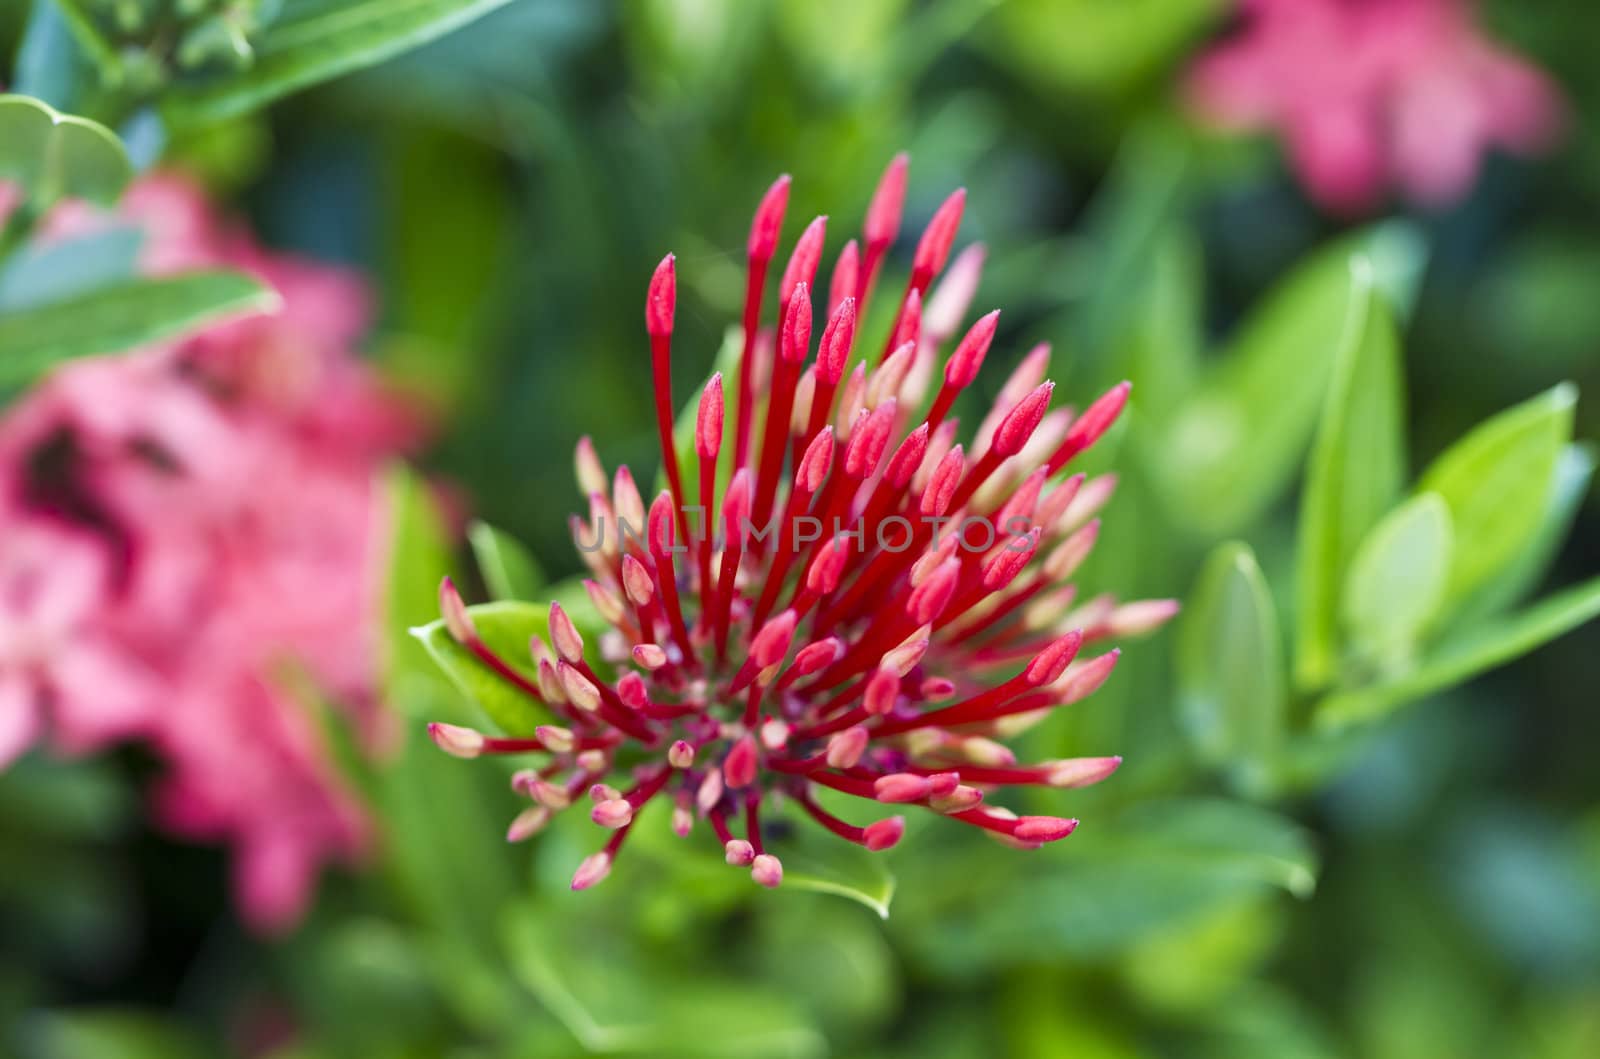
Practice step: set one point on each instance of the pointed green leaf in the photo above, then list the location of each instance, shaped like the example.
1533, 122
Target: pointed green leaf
1397, 582
41, 273
613, 998
1574, 471
55, 155
816, 860
506, 628
509, 571
316, 40
1498, 480
1239, 435
1230, 669
1355, 474
1475, 651
123, 316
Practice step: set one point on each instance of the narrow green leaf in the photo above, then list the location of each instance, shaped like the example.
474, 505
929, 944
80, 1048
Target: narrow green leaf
1473, 652
123, 316
1230, 669
816, 860
55, 155
1237, 438
506, 628
1397, 582
41, 273
509, 571
1355, 474
1512, 585
1497, 481
313, 41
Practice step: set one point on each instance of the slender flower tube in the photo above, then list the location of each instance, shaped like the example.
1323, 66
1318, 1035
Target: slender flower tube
882, 601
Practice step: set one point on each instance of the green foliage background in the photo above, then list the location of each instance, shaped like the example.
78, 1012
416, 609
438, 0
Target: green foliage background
1265, 878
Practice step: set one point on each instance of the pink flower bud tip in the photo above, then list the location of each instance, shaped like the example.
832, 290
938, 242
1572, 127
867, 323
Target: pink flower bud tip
708, 420
738, 852
1043, 828
612, 813
662, 300
650, 656
681, 754
901, 787
1082, 771
884, 833
594, 868
457, 741
768, 222
845, 748
556, 739
767, 870
739, 768
564, 635
457, 621
527, 823
888, 202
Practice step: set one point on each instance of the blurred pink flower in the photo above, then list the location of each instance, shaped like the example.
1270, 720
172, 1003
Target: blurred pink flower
1369, 94
191, 547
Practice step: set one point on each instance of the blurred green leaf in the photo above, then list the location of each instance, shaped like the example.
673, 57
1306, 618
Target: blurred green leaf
55, 155
40, 274
110, 1033
317, 40
1397, 581
1355, 474
1574, 471
815, 860
1498, 481
506, 628
1230, 669
614, 1002
1477, 650
1235, 442
121, 317
509, 571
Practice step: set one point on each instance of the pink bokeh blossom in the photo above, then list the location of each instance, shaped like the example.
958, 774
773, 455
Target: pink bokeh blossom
1370, 95
191, 548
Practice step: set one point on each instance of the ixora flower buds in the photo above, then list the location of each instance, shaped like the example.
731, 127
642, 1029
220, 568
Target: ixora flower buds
840, 596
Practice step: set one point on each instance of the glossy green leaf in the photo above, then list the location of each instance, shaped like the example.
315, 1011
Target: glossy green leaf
815, 860
506, 628
55, 155
1235, 443
1355, 474
1574, 471
316, 40
509, 571
1498, 480
123, 316
1468, 654
614, 1001
1116, 882
1397, 581
1230, 667
43, 273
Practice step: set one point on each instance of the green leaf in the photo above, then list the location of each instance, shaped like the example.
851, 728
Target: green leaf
509, 571
1238, 438
506, 628
615, 1000
1574, 471
1498, 480
1150, 870
317, 40
816, 860
55, 155
1397, 582
111, 1033
1230, 670
1355, 474
40, 274
1472, 652
123, 316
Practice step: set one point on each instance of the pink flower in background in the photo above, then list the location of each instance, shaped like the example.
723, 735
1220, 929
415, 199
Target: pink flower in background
191, 547
1374, 94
